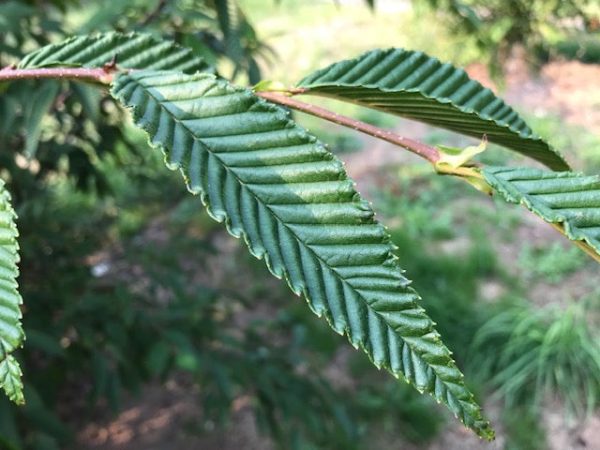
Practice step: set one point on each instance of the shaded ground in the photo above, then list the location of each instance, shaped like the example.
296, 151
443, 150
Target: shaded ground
158, 419
569, 89
167, 417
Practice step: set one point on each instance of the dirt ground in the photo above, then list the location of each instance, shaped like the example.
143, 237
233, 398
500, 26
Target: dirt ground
159, 418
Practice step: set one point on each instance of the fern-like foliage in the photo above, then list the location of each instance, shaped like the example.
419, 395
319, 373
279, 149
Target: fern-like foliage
129, 51
569, 200
11, 332
546, 352
279, 188
414, 85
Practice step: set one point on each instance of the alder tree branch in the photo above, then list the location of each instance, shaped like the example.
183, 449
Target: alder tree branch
104, 75
101, 75
425, 151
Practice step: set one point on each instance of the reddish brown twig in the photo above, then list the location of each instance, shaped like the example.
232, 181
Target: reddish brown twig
102, 75
431, 154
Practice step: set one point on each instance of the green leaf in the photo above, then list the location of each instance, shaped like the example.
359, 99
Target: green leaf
40, 102
568, 200
414, 85
11, 332
128, 51
10, 379
12, 14
9, 108
89, 98
228, 16
288, 197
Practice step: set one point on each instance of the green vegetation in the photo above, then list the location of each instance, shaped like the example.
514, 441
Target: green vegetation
546, 353
550, 263
126, 281
496, 27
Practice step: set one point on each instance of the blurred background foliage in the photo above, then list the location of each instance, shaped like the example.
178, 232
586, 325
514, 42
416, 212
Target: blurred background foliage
129, 286
543, 28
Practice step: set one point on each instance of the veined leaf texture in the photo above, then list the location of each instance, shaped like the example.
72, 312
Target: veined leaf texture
288, 197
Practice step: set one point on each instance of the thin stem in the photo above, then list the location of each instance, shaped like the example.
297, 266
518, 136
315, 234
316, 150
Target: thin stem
104, 76
101, 75
431, 154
